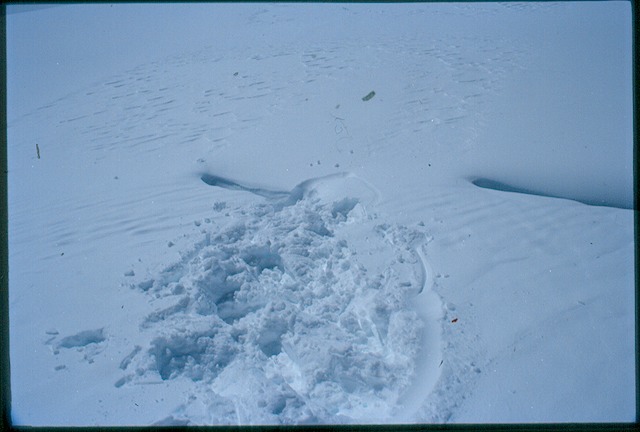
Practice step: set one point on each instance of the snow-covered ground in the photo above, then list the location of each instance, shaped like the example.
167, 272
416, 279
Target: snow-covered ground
326, 213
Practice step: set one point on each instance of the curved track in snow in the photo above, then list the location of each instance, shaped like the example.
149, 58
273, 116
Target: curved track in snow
428, 305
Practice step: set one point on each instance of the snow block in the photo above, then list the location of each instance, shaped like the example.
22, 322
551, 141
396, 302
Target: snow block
83, 338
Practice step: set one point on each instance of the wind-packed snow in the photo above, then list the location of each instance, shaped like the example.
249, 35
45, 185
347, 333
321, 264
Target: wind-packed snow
323, 213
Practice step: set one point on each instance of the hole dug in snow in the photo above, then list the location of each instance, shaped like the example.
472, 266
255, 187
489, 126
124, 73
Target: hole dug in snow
283, 293
193, 354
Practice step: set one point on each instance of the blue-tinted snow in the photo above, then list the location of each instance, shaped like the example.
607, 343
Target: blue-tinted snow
343, 267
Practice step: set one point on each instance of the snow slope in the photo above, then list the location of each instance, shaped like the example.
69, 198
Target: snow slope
223, 231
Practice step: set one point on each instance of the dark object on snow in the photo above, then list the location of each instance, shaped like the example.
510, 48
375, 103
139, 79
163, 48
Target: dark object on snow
38, 150
369, 96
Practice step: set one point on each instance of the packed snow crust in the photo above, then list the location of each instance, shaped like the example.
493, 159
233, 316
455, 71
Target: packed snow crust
321, 214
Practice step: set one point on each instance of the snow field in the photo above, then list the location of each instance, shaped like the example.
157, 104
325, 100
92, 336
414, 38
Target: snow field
232, 235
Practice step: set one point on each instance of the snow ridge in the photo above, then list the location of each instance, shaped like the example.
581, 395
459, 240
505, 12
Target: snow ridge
214, 180
279, 319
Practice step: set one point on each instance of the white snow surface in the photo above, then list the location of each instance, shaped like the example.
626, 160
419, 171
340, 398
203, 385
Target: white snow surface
219, 229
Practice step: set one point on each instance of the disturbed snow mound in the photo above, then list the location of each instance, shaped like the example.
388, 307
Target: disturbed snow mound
278, 320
